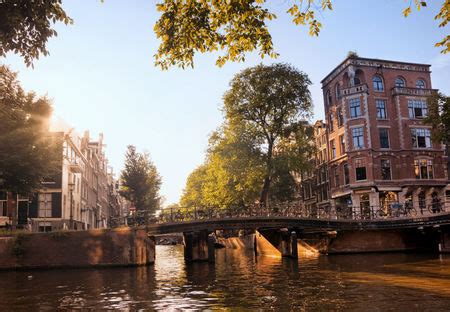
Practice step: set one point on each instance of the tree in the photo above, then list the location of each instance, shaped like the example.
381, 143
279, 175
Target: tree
184, 28
28, 153
262, 142
439, 117
26, 26
271, 103
231, 175
140, 182
238, 27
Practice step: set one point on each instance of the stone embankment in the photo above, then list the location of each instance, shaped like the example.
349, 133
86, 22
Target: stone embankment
73, 249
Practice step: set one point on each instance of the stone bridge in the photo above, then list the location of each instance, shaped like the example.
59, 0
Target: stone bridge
280, 234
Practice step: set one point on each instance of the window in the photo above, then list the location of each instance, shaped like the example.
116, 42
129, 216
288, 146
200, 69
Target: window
360, 169
381, 109
355, 108
331, 122
329, 98
337, 91
378, 83
400, 82
421, 137
422, 202
420, 84
342, 142
384, 137
423, 169
340, 117
346, 174
386, 169
358, 137
3, 203
45, 205
333, 149
417, 108
336, 176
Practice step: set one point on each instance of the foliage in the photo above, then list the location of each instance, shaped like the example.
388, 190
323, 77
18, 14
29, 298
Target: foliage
439, 117
262, 142
26, 26
140, 181
184, 27
271, 103
28, 153
237, 27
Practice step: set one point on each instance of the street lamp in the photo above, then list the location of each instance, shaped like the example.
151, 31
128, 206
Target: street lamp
71, 187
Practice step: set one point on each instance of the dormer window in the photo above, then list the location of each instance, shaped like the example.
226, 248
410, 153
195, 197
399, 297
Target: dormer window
400, 82
420, 84
377, 83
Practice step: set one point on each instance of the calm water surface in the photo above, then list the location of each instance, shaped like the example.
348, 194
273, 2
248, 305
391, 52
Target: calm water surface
375, 282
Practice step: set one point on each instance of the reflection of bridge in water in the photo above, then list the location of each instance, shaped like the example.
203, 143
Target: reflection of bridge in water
284, 230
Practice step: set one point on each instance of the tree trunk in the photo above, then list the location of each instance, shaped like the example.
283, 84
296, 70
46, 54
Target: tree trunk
264, 199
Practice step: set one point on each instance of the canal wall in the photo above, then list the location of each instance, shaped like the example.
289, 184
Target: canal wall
70, 249
381, 241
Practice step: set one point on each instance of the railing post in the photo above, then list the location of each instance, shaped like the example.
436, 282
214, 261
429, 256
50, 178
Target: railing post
195, 213
171, 214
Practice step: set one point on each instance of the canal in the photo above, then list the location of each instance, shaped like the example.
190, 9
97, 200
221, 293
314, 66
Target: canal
369, 282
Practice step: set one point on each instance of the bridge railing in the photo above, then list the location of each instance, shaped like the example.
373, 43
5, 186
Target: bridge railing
297, 210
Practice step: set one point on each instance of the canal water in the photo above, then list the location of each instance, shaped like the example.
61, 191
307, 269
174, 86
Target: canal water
239, 281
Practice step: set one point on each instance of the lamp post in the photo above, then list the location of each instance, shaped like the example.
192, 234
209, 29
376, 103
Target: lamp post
71, 187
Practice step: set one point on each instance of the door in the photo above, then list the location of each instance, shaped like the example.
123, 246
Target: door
22, 212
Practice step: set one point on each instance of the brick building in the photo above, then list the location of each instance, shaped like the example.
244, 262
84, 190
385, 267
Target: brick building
379, 149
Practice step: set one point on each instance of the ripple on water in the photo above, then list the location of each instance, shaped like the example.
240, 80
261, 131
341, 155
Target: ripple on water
239, 281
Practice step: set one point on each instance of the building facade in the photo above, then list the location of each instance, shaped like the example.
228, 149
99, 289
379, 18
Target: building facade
82, 194
380, 151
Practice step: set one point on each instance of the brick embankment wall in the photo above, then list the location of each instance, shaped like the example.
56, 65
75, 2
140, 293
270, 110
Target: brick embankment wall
110, 247
381, 241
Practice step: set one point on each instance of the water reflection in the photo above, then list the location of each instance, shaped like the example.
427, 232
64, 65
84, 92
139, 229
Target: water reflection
239, 281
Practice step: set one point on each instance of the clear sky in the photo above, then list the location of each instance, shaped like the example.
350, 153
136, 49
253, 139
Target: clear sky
101, 77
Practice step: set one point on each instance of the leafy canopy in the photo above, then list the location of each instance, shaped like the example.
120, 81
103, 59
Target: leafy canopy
140, 181
264, 139
26, 26
237, 27
184, 28
28, 153
439, 117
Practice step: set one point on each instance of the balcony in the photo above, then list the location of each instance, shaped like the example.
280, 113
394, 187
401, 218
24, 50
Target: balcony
412, 91
362, 88
75, 167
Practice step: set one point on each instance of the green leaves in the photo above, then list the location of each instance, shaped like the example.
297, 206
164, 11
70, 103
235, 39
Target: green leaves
140, 181
235, 27
28, 153
262, 141
26, 26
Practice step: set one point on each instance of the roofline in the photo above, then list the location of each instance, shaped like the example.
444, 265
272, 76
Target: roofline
371, 59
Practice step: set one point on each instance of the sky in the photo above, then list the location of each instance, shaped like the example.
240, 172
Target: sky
101, 77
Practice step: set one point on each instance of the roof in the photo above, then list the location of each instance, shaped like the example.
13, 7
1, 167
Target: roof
369, 59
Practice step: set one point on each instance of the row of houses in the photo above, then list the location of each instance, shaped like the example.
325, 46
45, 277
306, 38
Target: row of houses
83, 194
373, 149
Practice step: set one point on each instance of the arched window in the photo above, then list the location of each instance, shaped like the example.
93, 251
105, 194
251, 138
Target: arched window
377, 83
329, 98
420, 84
357, 81
337, 91
400, 82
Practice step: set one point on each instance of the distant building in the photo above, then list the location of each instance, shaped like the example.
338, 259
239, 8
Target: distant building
379, 149
81, 195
